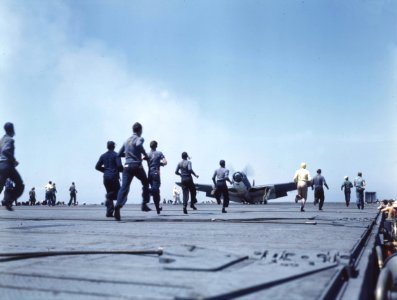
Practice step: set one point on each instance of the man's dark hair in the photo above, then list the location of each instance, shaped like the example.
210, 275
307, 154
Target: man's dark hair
9, 127
111, 145
319, 171
222, 163
137, 127
360, 174
184, 155
153, 145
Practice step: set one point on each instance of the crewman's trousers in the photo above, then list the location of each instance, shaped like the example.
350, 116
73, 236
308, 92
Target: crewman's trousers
8, 171
155, 183
360, 198
188, 186
222, 191
319, 196
129, 173
112, 186
347, 197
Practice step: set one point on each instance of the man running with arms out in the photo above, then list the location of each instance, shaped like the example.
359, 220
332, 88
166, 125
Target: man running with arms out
318, 183
8, 165
156, 160
222, 175
184, 169
302, 179
133, 152
110, 165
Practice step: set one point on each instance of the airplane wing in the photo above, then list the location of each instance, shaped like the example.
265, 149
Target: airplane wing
206, 188
274, 191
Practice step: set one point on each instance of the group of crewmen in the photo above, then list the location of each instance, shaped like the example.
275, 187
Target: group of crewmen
110, 165
303, 180
134, 152
50, 193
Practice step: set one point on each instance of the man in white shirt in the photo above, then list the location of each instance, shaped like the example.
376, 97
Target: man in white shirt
303, 180
175, 194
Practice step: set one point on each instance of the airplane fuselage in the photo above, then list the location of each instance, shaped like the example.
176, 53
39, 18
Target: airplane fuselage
241, 190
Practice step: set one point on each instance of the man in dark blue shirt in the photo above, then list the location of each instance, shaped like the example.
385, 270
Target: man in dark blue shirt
185, 170
318, 183
221, 175
156, 160
133, 152
32, 197
54, 194
346, 186
110, 165
8, 165
73, 194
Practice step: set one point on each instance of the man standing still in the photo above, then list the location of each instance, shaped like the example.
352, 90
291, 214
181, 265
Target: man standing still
359, 184
73, 196
347, 185
318, 183
133, 152
156, 159
8, 165
176, 195
302, 179
221, 175
185, 170
32, 197
54, 194
110, 165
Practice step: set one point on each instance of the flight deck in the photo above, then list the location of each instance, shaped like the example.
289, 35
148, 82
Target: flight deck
269, 251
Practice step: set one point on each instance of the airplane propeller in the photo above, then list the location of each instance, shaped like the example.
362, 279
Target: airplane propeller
248, 170
231, 170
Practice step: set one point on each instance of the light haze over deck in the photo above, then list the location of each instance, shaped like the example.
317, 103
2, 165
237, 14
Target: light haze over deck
264, 83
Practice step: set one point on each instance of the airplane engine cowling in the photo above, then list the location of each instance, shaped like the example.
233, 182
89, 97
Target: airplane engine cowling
237, 177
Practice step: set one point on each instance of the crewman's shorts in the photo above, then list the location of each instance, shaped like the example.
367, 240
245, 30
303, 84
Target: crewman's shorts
302, 189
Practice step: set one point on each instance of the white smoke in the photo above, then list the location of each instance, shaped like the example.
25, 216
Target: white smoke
84, 95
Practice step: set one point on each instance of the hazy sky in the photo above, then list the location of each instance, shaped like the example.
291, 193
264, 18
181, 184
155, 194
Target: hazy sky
264, 83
